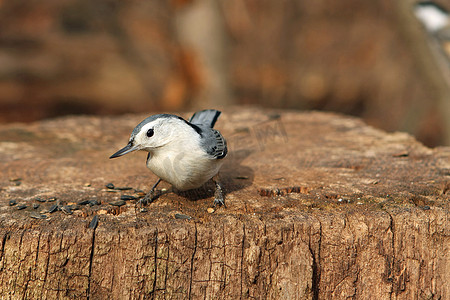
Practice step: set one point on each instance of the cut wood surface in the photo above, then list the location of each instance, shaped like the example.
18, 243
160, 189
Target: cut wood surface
318, 206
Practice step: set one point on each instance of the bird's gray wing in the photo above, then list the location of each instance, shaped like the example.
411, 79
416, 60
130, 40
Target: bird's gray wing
213, 143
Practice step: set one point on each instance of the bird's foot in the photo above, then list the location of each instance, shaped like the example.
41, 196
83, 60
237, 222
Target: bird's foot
150, 197
218, 195
147, 199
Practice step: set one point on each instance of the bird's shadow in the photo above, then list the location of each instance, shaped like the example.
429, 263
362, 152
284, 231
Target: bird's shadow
233, 176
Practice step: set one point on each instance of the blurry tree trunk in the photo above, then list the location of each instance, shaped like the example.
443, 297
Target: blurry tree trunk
202, 34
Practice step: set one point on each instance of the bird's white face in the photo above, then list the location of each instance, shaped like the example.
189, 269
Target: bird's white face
157, 134
154, 135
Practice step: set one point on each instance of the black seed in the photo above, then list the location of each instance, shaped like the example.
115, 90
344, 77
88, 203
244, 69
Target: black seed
110, 186
53, 208
118, 203
35, 205
426, 207
51, 199
40, 199
94, 202
84, 202
127, 197
123, 188
36, 215
12, 202
21, 206
66, 209
94, 222
182, 217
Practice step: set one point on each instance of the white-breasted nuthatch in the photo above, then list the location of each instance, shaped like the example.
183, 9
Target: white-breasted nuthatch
434, 17
183, 153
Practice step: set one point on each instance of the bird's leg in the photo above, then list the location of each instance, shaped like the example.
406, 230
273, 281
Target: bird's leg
218, 194
150, 195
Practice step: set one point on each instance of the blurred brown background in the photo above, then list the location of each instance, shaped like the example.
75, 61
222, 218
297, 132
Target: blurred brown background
365, 58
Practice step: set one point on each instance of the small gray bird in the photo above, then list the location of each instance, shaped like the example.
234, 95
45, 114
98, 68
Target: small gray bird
183, 153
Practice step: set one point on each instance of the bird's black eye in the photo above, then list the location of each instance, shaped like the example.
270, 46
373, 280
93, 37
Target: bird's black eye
150, 132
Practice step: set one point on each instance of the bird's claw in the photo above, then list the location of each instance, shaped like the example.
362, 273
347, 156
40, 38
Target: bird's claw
149, 198
219, 201
218, 196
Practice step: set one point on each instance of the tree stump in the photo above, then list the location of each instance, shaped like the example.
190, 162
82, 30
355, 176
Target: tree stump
318, 206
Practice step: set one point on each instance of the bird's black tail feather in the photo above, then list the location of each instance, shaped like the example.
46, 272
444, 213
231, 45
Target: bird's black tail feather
207, 117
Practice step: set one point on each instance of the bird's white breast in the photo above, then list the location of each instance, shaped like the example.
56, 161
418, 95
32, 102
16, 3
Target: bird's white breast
184, 166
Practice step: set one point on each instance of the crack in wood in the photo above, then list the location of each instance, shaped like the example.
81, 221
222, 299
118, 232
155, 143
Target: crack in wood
316, 264
223, 274
47, 263
2, 254
20, 260
242, 259
391, 279
155, 261
91, 259
166, 275
37, 250
192, 261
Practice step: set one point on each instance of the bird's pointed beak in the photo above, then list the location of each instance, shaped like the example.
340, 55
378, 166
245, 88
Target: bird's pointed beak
127, 149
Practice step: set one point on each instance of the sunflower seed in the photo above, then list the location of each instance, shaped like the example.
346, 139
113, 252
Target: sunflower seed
84, 202
35, 205
21, 206
118, 203
36, 215
127, 197
53, 208
123, 188
182, 217
12, 202
94, 222
110, 186
94, 202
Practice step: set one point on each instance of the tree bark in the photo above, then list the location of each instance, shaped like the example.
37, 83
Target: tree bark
318, 206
